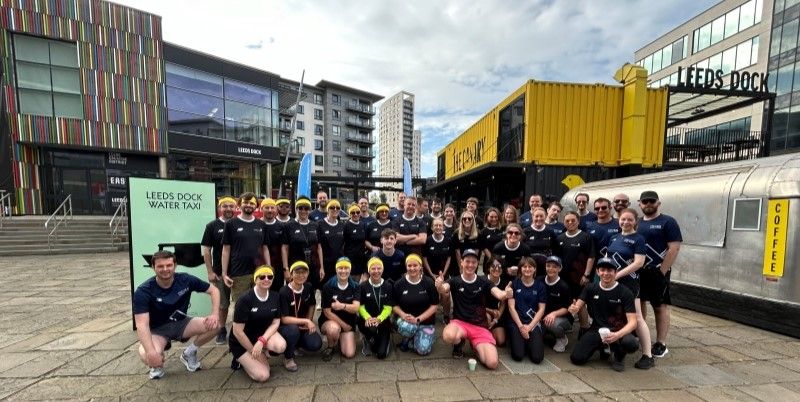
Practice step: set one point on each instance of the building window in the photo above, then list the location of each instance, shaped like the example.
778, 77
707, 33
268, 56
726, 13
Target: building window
336, 130
301, 141
318, 144
337, 115
336, 160
336, 99
337, 145
48, 79
300, 109
318, 99
318, 129
725, 26
301, 125
319, 160
318, 114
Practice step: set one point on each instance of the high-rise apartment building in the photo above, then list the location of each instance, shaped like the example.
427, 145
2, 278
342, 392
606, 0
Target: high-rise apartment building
398, 139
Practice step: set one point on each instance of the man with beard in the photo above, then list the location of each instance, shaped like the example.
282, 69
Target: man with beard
366, 217
401, 202
212, 255
411, 231
322, 207
244, 247
436, 209
422, 213
585, 216
284, 209
603, 228
274, 235
527, 217
663, 239
621, 201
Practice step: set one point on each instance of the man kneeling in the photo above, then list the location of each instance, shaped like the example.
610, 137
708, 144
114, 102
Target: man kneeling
469, 322
159, 308
613, 318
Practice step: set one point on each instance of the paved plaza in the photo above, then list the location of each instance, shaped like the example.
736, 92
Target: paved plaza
65, 333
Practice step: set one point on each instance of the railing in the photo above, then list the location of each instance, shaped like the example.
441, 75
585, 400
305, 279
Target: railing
61, 214
360, 123
359, 167
120, 215
359, 152
708, 145
353, 136
5, 207
360, 107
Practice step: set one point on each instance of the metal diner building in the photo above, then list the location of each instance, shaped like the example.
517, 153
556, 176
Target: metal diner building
548, 137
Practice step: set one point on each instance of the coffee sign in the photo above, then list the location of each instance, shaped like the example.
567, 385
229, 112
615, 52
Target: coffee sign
693, 77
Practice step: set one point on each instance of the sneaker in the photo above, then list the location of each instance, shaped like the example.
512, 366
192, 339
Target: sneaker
327, 354
222, 337
618, 362
561, 344
190, 360
645, 363
458, 350
366, 350
290, 365
156, 372
660, 349
235, 365
404, 345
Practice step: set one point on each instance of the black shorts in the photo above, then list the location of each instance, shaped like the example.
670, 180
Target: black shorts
632, 284
172, 330
655, 286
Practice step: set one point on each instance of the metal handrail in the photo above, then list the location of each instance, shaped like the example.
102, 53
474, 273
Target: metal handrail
119, 216
61, 214
5, 207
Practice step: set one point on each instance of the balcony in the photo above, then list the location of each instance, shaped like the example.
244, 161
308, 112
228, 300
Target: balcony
360, 153
693, 147
285, 126
359, 167
361, 123
295, 151
360, 138
360, 108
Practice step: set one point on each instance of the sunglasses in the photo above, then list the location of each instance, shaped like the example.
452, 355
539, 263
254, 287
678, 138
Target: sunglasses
513, 233
496, 266
466, 219
304, 208
334, 208
262, 277
649, 201
621, 201
603, 208
355, 213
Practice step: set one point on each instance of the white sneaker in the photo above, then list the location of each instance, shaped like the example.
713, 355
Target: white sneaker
156, 372
190, 360
561, 344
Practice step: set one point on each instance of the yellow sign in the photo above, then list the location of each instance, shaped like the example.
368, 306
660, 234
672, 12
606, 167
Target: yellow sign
775, 239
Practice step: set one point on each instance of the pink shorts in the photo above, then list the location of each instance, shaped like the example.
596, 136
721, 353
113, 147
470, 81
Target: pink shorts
475, 334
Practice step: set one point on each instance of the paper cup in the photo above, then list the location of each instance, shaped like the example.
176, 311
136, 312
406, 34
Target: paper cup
472, 363
603, 332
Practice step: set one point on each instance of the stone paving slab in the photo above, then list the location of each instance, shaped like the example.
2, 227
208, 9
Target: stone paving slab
80, 346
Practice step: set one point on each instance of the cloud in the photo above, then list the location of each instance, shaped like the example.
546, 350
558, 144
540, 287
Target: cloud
459, 59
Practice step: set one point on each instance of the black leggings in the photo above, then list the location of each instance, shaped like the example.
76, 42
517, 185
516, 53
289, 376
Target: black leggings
533, 347
378, 338
591, 342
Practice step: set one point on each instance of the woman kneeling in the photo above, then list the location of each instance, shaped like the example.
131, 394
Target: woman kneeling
340, 303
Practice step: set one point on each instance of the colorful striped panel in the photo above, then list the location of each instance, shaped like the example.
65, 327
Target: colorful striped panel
65, 131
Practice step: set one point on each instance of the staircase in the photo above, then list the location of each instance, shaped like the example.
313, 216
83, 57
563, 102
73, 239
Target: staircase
26, 235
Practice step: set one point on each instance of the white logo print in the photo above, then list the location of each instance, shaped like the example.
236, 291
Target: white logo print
369, 294
254, 309
405, 292
239, 229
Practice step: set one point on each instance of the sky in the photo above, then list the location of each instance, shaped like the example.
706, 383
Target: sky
458, 59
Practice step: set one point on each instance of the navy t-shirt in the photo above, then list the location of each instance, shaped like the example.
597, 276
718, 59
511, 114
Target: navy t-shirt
557, 227
528, 298
657, 232
163, 303
601, 233
394, 266
622, 249
589, 217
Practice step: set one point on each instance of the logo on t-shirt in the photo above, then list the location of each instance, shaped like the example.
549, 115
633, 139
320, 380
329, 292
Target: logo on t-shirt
254, 309
239, 229
369, 294
405, 292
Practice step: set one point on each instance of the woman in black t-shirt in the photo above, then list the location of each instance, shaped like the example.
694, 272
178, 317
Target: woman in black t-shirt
300, 242
466, 236
511, 250
297, 312
436, 254
490, 235
415, 299
256, 318
496, 310
354, 247
340, 303
330, 233
374, 312
376, 227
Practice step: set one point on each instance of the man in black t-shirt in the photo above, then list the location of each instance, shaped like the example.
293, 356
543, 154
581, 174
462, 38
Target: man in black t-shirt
159, 309
244, 247
612, 310
411, 231
274, 236
212, 255
470, 293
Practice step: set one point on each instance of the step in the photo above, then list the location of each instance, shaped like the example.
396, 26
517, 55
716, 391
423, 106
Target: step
70, 250
65, 230
39, 236
61, 240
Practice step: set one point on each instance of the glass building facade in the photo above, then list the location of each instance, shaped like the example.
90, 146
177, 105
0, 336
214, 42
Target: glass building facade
784, 75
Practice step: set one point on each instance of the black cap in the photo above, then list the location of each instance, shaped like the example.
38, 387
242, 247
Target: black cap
554, 259
606, 262
648, 195
469, 252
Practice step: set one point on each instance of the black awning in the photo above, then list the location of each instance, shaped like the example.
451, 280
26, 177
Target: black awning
687, 104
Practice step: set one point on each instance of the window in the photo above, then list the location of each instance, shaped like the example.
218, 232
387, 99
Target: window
731, 22
336, 99
301, 141
300, 109
318, 99
336, 145
784, 79
318, 114
735, 21
336, 160
48, 80
318, 145
300, 125
336, 130
318, 129
789, 36
747, 214
319, 160
337, 115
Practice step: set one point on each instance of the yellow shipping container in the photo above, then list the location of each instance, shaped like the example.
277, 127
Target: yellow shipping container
570, 124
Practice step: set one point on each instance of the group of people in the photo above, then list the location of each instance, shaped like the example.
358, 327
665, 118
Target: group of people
500, 278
